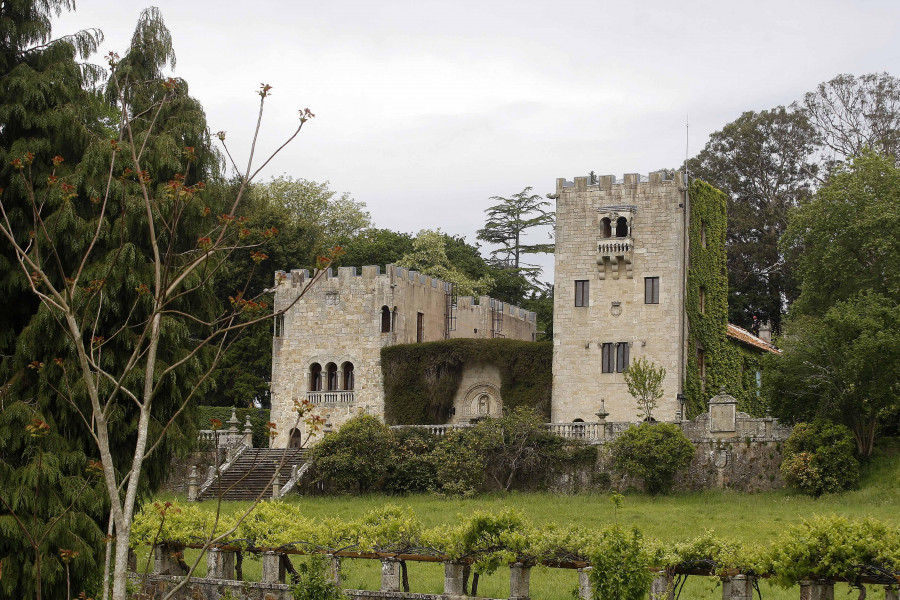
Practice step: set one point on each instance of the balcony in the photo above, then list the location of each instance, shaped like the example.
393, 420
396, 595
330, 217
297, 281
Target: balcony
618, 250
331, 398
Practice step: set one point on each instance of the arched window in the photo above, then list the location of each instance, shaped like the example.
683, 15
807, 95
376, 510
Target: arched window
296, 439
394, 319
331, 368
578, 420
315, 377
385, 319
621, 227
606, 227
347, 369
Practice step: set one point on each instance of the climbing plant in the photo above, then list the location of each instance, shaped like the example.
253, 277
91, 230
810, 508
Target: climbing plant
420, 380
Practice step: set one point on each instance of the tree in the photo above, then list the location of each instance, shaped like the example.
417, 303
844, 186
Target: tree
120, 253
507, 223
375, 246
843, 241
429, 256
851, 114
645, 383
764, 162
841, 366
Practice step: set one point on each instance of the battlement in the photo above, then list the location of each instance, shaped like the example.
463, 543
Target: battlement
394, 275
606, 182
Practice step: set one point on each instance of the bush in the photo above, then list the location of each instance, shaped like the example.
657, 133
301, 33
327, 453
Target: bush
412, 466
620, 566
459, 463
314, 580
653, 452
818, 459
355, 458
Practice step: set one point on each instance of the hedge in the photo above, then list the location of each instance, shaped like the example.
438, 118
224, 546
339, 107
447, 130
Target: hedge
259, 420
421, 380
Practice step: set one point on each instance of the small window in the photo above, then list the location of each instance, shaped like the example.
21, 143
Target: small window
703, 233
315, 377
702, 300
332, 377
608, 358
582, 292
621, 356
651, 290
420, 327
701, 367
279, 325
385, 319
347, 371
606, 228
621, 227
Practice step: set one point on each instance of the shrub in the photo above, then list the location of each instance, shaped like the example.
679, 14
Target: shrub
620, 566
653, 452
412, 466
818, 459
314, 580
355, 458
459, 463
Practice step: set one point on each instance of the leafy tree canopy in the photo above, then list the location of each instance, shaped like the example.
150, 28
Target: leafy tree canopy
507, 223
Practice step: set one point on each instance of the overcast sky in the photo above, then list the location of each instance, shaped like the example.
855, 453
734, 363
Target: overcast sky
424, 110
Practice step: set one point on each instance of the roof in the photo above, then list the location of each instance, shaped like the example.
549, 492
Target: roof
742, 335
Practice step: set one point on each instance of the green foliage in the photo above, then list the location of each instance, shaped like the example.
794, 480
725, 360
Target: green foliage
259, 421
834, 546
620, 564
355, 458
652, 452
412, 467
420, 380
645, 384
373, 246
818, 459
429, 256
507, 223
314, 580
459, 464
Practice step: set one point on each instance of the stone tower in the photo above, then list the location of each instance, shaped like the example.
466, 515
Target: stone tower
620, 280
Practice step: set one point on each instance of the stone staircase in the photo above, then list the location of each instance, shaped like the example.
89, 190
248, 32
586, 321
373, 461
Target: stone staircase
250, 474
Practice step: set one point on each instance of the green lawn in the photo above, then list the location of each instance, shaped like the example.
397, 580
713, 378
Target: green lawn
746, 518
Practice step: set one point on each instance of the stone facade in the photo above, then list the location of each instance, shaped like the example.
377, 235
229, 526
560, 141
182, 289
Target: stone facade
620, 272
327, 346
478, 395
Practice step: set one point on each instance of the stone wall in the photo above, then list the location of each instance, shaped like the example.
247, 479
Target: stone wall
615, 311
346, 318
478, 395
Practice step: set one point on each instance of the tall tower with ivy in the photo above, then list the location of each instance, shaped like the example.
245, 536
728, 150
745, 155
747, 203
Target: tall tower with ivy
626, 287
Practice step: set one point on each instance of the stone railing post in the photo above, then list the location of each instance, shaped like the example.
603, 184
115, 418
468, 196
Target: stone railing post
584, 583
193, 485
276, 484
519, 576
335, 569
662, 587
164, 561
738, 587
273, 570
816, 590
219, 564
248, 433
390, 575
453, 579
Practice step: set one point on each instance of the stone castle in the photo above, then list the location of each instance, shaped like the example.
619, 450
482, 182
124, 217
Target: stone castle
622, 281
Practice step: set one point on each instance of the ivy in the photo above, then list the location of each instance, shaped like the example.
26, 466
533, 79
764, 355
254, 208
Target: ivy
421, 380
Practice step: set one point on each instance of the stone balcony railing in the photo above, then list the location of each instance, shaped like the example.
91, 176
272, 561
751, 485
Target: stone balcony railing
332, 397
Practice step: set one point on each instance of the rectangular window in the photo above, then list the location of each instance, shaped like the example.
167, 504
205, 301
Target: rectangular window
582, 292
279, 325
609, 358
420, 327
621, 356
702, 299
651, 290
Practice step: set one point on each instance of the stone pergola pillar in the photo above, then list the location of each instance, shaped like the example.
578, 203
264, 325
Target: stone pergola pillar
584, 583
816, 590
453, 579
164, 561
891, 592
662, 587
273, 570
519, 577
738, 587
390, 575
219, 564
335, 568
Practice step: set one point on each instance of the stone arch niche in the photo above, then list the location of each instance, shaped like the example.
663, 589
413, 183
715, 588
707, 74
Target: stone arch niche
478, 396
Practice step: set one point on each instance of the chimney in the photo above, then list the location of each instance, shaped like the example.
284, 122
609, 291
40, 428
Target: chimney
765, 332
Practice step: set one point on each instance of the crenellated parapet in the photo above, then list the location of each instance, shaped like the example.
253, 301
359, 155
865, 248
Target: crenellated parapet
609, 182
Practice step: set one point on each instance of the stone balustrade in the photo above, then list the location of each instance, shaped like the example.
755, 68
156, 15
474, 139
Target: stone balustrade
332, 397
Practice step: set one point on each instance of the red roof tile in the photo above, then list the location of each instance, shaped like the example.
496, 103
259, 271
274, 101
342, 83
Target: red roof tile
742, 335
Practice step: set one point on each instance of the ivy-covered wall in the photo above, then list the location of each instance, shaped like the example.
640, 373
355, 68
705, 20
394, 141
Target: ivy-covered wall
420, 380
729, 364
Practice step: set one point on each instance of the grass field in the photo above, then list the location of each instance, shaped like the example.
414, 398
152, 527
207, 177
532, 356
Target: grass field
753, 519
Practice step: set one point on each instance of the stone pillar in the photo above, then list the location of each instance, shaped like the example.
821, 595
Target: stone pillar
273, 570
335, 569
584, 583
193, 485
276, 484
891, 592
738, 587
662, 587
453, 579
219, 564
390, 575
164, 561
248, 433
519, 576
816, 590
